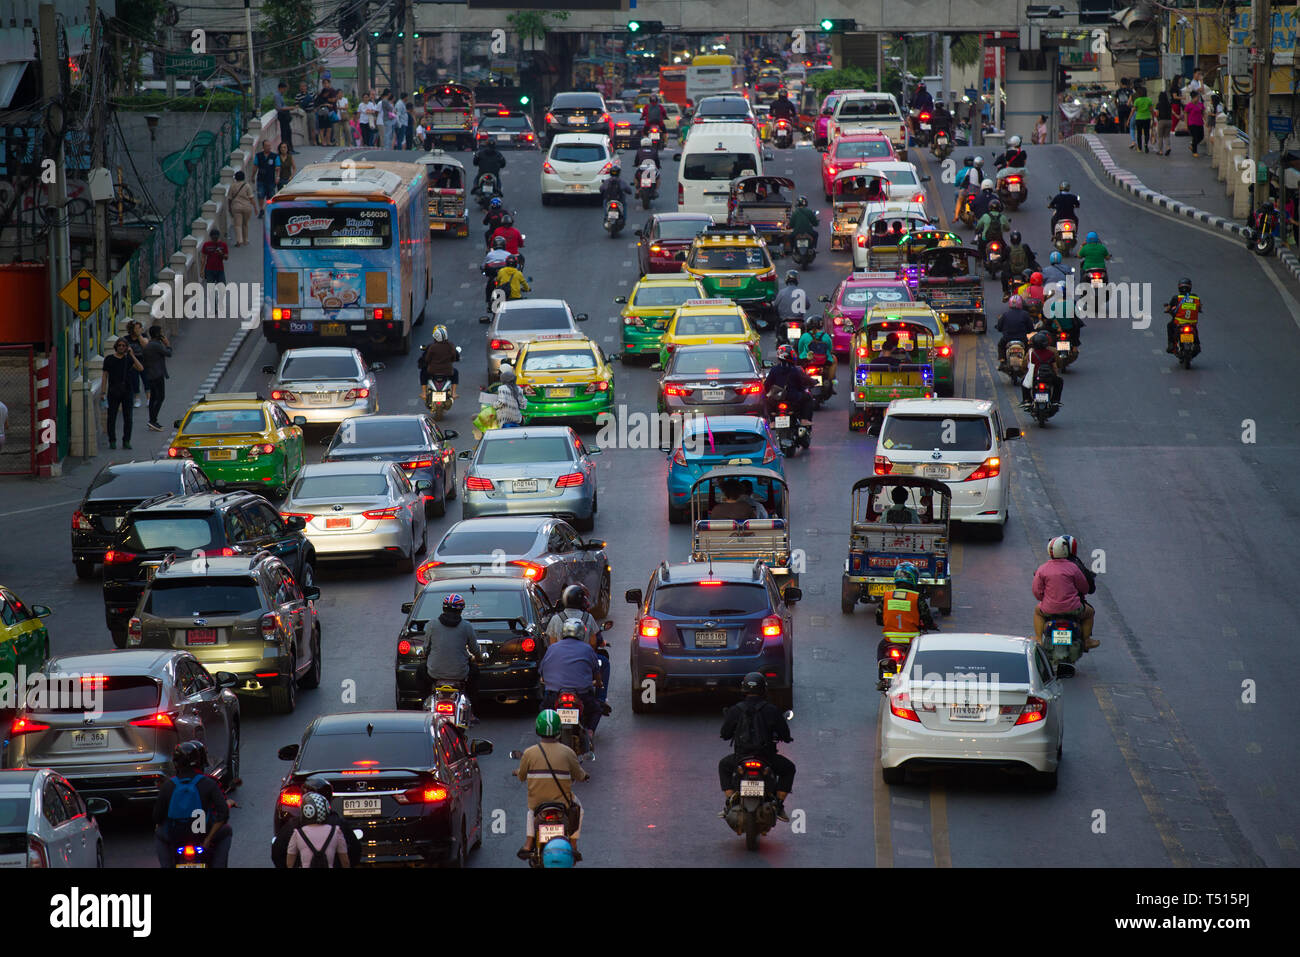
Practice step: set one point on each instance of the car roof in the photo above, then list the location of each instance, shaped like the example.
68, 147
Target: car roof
126, 661
520, 304
741, 573
226, 404
503, 523
390, 417
855, 279
577, 94
663, 217
19, 778
714, 347
355, 722
863, 136
353, 467
320, 351
228, 565
717, 423
698, 135
580, 138
971, 641
148, 465
553, 345
666, 279
491, 583
940, 407
194, 502
529, 432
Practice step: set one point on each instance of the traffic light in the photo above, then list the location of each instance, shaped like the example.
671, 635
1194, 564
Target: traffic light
645, 26
830, 25
83, 294
524, 101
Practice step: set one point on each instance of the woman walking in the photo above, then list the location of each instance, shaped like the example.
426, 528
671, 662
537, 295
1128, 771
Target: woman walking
135, 341
1142, 119
287, 168
1196, 122
1164, 123
241, 205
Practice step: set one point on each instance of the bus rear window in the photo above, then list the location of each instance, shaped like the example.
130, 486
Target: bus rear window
331, 228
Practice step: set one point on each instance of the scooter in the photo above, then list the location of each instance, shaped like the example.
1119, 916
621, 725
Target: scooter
655, 132
1066, 351
1013, 366
995, 255
1064, 236
965, 212
488, 187
1260, 240
647, 183
920, 127
451, 702
782, 134
804, 251
1096, 277
942, 145
573, 734
819, 370
792, 329
1187, 347
615, 218
751, 812
190, 856
1041, 406
791, 436
438, 397
1063, 642
1012, 188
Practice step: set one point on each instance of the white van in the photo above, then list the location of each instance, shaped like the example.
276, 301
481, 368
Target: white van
714, 155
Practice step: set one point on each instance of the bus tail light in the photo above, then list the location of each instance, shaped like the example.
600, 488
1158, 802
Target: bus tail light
383, 315
280, 315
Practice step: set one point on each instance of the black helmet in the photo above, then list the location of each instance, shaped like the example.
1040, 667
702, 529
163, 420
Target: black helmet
1039, 341
1184, 285
792, 277
576, 596
499, 243
190, 754
815, 323
995, 206
1015, 237
615, 170
512, 260
507, 220
803, 201
754, 683
318, 784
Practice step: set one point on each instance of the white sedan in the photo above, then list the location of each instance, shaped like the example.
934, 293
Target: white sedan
906, 185
964, 699
44, 822
575, 165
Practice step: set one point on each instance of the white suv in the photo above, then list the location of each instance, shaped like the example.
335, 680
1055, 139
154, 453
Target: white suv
575, 165
960, 443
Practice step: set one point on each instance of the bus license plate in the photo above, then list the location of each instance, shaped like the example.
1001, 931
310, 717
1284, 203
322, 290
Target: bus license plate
1062, 636
333, 329
782, 422
752, 788
360, 807
568, 715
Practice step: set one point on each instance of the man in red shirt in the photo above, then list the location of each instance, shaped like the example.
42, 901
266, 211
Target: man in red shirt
513, 237
1059, 586
214, 253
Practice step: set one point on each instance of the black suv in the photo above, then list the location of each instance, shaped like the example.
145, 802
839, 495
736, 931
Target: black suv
191, 526
578, 113
114, 491
724, 108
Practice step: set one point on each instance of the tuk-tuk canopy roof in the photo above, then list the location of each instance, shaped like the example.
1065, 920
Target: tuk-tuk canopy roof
858, 173
878, 482
449, 87
725, 472
740, 182
958, 249
439, 158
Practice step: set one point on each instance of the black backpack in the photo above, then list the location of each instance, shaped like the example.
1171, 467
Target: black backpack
752, 735
318, 856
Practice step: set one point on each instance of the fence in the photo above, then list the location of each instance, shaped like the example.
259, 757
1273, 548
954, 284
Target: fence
18, 432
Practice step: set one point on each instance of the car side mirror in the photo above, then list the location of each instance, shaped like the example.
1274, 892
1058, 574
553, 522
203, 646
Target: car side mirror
423, 485
792, 595
287, 753
176, 423
621, 300
1012, 434
581, 317
953, 328
477, 748
768, 156
677, 157
925, 179
300, 421
485, 319
450, 434
637, 234
326, 440
823, 298
41, 611
593, 545
380, 367
295, 523
516, 754
599, 451
97, 806
268, 370
632, 596
311, 593
226, 679
407, 606
466, 455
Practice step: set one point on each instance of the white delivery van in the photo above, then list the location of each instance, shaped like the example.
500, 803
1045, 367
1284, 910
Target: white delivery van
714, 155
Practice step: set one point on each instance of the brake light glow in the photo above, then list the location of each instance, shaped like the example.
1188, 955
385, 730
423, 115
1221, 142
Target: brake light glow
572, 480
532, 571
648, 628
600, 386
382, 513
178, 453
550, 117
403, 647
919, 198
1035, 709
862, 242
422, 573
80, 522
899, 707
989, 468
498, 344
606, 168
677, 390
422, 794
24, 725
528, 644
772, 626
474, 483
711, 582
925, 117
283, 394
114, 557
754, 388
1187, 328
679, 457
291, 797
1013, 179
444, 707
753, 765
162, 719
418, 464
279, 314
547, 167
353, 394
883, 465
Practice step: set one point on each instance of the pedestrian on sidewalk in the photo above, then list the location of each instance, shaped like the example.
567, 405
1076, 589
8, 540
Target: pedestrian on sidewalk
401, 125
343, 128
114, 383
287, 168
1196, 122
284, 114
387, 117
1176, 108
1196, 87
1040, 131
1142, 120
1164, 122
156, 351
326, 116
267, 165
368, 110
241, 205
135, 341
307, 103
214, 253
1215, 113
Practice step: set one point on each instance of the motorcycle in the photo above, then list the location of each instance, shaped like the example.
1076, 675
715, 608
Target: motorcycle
573, 734
942, 145
190, 856
1259, 235
920, 127
655, 131
889, 666
782, 134
615, 218
450, 701
792, 329
438, 398
488, 187
819, 370
966, 212
995, 255
804, 251
752, 809
791, 436
1041, 406
1096, 277
647, 183
1187, 347
1063, 644
1013, 366
1066, 351
1012, 188
1064, 236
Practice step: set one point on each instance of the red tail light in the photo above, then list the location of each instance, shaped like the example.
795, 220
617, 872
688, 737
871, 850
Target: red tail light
769, 276
528, 645
422, 573
862, 242
1035, 709
260, 449
677, 390
883, 465
594, 387
572, 480
1187, 328
418, 464
898, 654
36, 856
862, 352
919, 198
754, 388
605, 169
604, 118
80, 522
945, 351
163, 719
498, 344
772, 626
475, 484
444, 707
899, 708
403, 647
711, 583
1041, 386
532, 571
753, 765
291, 797
989, 468
925, 117
178, 453
782, 407
134, 631
550, 117
567, 699
681, 194
422, 794
353, 394
1013, 179
306, 516
24, 725
648, 628
382, 513
283, 395
679, 457
547, 167
270, 626
769, 455
114, 557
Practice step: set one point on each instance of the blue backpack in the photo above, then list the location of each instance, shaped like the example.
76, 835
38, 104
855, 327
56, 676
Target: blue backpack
185, 800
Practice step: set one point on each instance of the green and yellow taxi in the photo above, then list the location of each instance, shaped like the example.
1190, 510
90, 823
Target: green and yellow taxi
650, 307
24, 643
735, 264
241, 440
942, 348
564, 377
707, 322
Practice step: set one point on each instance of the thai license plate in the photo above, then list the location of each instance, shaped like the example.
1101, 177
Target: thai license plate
201, 636
221, 455
89, 739
197, 865
437, 225
1063, 345
549, 832
816, 379
333, 329
448, 137
879, 588
577, 188
568, 715
1062, 636
577, 120
936, 471
360, 807
525, 485
925, 126
560, 393
1041, 397
750, 787
782, 422
710, 639
1186, 337
793, 333
714, 395
321, 398
731, 283
338, 523
967, 713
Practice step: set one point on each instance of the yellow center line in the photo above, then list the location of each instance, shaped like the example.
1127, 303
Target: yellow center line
880, 797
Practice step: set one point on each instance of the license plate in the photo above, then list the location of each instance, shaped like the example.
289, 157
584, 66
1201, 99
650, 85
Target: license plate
1062, 636
710, 639
714, 395
221, 455
437, 225
1186, 337
90, 739
201, 636
966, 713
338, 523
448, 137
333, 329
793, 333
752, 788
1096, 280
549, 832
880, 588
439, 397
817, 380
577, 188
360, 807
568, 715
321, 398
936, 471
925, 126
1041, 397
802, 244
525, 485
577, 120
731, 283
1063, 346
560, 393
198, 865
782, 422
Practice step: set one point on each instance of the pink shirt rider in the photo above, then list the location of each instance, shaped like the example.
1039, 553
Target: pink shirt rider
1058, 585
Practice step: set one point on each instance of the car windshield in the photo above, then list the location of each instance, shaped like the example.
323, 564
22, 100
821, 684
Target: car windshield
479, 603
867, 110
725, 443
682, 228
146, 533
504, 124
546, 448
578, 153
710, 326
555, 360
724, 107
533, 318
467, 541
744, 257
138, 693
576, 101
384, 749
134, 483
871, 149
340, 486
320, 367
715, 166
901, 177
1005, 667
954, 433
710, 363
858, 300
225, 422
376, 433
13, 813
664, 295
693, 600
185, 598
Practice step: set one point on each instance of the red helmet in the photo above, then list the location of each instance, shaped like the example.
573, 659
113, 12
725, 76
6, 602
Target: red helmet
786, 353
1036, 279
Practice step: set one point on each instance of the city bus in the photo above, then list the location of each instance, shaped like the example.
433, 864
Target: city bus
348, 259
706, 75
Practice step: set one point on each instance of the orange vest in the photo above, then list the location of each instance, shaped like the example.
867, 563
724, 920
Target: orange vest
1189, 308
901, 613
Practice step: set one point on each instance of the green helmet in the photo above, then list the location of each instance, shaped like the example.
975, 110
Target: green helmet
906, 572
548, 724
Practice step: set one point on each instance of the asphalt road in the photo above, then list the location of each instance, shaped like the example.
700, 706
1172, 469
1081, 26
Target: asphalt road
1179, 731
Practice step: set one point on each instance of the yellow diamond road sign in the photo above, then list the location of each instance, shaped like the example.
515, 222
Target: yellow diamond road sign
84, 293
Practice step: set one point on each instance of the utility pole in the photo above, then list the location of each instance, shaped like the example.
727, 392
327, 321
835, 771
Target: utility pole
947, 72
252, 70
1262, 55
408, 48
363, 61
98, 77
60, 252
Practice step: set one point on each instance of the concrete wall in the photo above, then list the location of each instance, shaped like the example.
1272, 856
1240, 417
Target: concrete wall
175, 132
1029, 94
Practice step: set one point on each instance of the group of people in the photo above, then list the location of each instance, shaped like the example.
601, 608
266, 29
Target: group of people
1169, 112
379, 119
136, 363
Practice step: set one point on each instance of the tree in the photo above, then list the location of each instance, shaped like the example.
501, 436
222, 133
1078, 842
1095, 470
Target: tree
286, 25
136, 23
965, 50
847, 78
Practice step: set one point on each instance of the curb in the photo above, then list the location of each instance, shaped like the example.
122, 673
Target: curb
1129, 181
222, 365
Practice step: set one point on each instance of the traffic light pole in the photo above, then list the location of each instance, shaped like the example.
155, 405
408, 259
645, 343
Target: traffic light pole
60, 253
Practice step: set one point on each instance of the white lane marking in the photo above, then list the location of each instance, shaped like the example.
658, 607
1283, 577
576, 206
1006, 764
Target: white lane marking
37, 508
464, 285
1288, 300
458, 302
1175, 391
248, 364
627, 262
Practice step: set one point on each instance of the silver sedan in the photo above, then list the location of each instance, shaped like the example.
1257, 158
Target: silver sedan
324, 384
360, 508
523, 320
546, 551
45, 823
539, 470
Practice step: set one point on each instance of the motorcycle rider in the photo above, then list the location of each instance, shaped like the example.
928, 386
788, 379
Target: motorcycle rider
981, 201
1059, 586
450, 640
438, 362
316, 784
921, 98
511, 279
783, 109
1019, 259
1015, 323
1058, 313
191, 808
493, 263
614, 189
803, 222
816, 344
992, 225
576, 605
941, 121
1065, 205
506, 230
488, 159
968, 181
903, 613
549, 768
572, 664
798, 386
791, 302
1184, 310
1041, 354
754, 726
496, 211
653, 114
1055, 273
1014, 157
1092, 254
647, 152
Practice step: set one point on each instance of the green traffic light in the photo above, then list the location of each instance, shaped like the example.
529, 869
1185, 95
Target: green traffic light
633, 26
827, 26
523, 101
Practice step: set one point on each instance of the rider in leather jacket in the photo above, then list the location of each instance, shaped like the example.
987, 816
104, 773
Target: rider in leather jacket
797, 384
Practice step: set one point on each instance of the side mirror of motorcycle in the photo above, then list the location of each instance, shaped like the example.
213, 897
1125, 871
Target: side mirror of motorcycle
823, 298
459, 350
768, 156
465, 456
925, 179
789, 715
1012, 433
580, 317
516, 754
485, 319
606, 625
407, 606
268, 370
621, 300
380, 367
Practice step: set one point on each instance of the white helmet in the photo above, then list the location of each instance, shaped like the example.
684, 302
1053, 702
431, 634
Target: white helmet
1014, 142
987, 184
1058, 547
439, 333
979, 162
645, 141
